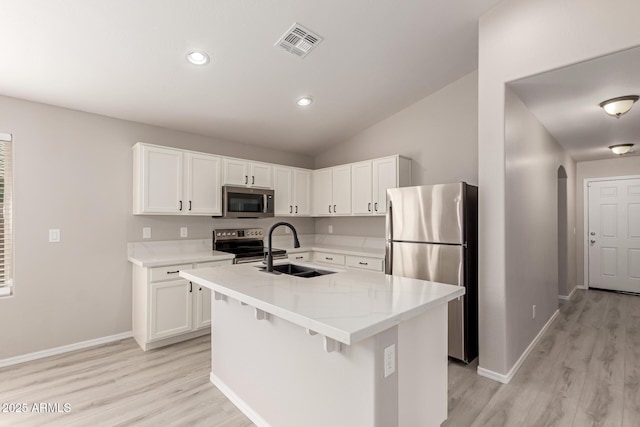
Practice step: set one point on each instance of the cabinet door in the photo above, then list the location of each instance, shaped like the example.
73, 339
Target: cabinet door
261, 175
301, 192
170, 309
235, 172
203, 306
361, 199
322, 200
385, 175
341, 189
204, 195
161, 180
283, 188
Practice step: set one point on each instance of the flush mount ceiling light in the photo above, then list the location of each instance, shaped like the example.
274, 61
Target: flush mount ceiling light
621, 149
304, 101
620, 106
198, 57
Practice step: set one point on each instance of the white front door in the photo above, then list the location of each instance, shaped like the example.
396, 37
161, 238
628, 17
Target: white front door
614, 235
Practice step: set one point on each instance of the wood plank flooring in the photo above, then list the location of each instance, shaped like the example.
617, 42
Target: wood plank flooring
585, 371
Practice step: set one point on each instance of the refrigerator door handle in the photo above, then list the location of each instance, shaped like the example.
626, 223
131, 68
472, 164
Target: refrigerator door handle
388, 257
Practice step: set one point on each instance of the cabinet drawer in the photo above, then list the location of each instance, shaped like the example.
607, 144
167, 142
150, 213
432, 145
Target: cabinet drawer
328, 258
167, 272
301, 256
214, 263
366, 263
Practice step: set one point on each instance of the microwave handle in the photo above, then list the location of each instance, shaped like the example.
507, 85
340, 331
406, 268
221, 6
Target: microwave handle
264, 203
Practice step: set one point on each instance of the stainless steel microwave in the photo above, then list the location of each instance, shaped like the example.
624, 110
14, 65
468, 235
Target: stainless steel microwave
242, 202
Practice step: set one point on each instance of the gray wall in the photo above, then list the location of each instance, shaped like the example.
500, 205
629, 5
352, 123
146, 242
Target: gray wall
520, 38
532, 160
618, 166
439, 133
73, 171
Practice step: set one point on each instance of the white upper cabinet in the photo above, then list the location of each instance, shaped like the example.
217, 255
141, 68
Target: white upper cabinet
204, 195
292, 188
371, 179
332, 191
173, 181
246, 174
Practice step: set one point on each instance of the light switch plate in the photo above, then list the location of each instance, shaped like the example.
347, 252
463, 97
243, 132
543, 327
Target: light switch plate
54, 235
330, 229
389, 360
183, 232
146, 232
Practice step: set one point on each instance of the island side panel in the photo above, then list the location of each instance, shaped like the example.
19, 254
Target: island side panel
279, 375
422, 369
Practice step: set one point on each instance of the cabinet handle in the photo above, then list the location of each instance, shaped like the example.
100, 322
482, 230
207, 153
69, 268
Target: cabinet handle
173, 272
299, 257
253, 179
375, 206
200, 288
334, 209
296, 208
363, 263
180, 205
328, 258
189, 205
369, 206
329, 208
190, 287
246, 179
290, 209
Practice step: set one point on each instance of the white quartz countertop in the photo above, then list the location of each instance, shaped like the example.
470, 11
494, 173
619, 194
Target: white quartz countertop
338, 249
157, 260
348, 306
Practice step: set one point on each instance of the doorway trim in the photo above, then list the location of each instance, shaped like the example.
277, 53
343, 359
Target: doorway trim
585, 227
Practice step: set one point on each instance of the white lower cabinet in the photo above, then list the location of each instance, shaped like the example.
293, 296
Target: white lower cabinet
168, 309
350, 261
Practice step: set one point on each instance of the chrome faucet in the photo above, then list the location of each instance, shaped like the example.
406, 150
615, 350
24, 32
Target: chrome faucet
296, 242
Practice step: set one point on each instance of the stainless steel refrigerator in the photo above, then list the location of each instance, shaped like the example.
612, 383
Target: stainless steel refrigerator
432, 234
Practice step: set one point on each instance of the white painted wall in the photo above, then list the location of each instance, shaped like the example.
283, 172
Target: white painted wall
532, 159
439, 133
519, 38
618, 166
73, 171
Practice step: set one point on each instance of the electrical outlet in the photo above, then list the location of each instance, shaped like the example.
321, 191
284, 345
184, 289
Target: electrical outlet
330, 229
54, 235
533, 312
183, 232
287, 230
146, 232
389, 360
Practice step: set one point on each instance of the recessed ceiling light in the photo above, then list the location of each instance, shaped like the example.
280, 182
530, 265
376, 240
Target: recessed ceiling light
620, 106
198, 57
304, 101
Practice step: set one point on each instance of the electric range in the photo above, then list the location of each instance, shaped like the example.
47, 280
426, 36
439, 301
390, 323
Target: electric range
245, 243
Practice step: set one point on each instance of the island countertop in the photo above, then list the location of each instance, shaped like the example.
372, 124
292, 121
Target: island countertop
348, 306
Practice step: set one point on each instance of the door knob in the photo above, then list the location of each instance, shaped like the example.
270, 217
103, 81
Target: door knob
593, 241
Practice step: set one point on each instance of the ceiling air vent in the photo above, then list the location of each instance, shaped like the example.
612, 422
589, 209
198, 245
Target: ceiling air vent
298, 40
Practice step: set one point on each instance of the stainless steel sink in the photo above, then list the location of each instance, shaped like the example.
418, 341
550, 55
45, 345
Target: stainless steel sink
297, 270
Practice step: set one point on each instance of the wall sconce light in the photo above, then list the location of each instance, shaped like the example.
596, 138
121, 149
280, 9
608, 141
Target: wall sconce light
620, 106
620, 149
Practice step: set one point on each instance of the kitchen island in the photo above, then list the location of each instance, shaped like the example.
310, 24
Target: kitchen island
353, 348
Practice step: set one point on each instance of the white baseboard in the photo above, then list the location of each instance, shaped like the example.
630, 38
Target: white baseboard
64, 349
238, 401
582, 287
505, 379
567, 298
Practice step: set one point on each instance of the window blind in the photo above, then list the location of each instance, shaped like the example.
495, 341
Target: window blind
6, 217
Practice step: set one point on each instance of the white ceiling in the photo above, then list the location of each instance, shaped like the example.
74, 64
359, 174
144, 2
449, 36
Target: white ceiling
566, 103
126, 59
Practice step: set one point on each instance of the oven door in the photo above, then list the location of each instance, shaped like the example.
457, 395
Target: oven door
240, 202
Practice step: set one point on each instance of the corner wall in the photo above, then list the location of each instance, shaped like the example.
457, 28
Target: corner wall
519, 38
73, 171
618, 166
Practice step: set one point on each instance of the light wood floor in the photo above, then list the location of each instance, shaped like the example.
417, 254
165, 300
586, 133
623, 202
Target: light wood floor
584, 372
